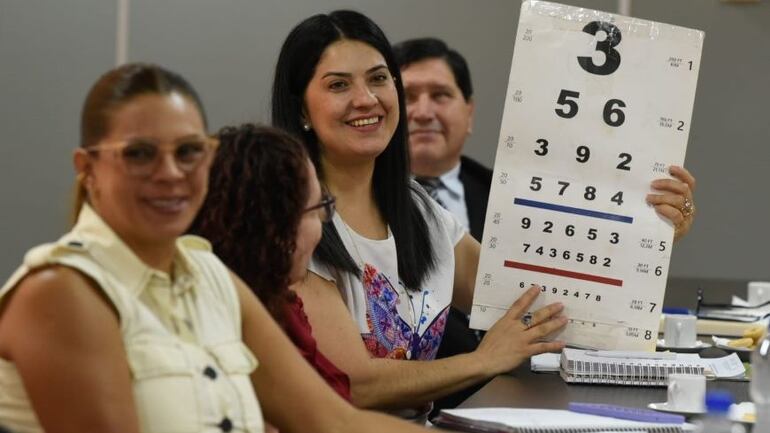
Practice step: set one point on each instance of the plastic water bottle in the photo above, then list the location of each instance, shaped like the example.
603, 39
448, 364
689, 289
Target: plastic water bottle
716, 420
760, 384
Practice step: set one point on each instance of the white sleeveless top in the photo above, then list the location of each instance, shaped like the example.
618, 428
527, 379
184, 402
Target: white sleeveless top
189, 366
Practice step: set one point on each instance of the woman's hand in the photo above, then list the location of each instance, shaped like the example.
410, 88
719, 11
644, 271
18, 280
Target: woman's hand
510, 341
675, 201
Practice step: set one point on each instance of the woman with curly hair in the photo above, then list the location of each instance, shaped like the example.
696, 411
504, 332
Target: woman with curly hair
263, 218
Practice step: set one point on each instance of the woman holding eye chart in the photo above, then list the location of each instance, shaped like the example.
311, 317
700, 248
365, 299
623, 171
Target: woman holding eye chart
391, 257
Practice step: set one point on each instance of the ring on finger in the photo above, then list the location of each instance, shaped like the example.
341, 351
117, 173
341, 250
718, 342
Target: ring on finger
688, 208
526, 320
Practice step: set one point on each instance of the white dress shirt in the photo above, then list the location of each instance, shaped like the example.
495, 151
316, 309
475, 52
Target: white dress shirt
452, 195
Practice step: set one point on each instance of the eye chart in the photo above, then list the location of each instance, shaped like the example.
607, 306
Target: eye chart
598, 105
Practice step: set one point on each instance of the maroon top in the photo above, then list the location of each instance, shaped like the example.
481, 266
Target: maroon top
301, 334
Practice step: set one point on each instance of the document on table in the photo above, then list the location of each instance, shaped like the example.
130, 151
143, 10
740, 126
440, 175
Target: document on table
729, 366
547, 420
725, 367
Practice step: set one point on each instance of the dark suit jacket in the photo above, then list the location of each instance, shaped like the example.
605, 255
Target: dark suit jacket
476, 180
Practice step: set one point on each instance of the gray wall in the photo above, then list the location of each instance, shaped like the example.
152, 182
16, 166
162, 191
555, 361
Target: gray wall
50, 52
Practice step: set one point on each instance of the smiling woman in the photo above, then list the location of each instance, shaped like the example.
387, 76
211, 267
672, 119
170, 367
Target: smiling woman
351, 103
391, 259
147, 177
116, 123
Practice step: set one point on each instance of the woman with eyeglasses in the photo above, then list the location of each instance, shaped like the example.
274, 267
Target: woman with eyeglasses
263, 217
124, 324
392, 261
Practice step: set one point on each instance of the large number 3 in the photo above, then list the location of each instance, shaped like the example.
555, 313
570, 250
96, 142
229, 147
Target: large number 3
612, 60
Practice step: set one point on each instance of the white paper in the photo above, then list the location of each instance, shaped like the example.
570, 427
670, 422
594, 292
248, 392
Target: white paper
740, 302
726, 366
572, 220
549, 418
545, 362
680, 359
729, 366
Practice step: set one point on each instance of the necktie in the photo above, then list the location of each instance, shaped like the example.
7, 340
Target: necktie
431, 186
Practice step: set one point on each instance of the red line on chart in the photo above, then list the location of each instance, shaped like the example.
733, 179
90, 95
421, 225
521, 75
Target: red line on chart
563, 273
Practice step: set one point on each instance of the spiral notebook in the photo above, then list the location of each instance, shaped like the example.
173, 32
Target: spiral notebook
582, 366
508, 420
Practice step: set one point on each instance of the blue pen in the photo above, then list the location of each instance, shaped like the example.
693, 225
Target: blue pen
676, 310
623, 412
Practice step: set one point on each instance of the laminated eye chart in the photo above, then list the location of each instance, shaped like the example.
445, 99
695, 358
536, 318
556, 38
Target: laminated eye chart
598, 105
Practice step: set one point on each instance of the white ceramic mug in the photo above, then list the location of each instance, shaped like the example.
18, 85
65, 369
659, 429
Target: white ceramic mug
686, 393
758, 292
679, 330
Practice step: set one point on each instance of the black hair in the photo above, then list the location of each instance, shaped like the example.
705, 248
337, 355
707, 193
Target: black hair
258, 191
391, 184
415, 50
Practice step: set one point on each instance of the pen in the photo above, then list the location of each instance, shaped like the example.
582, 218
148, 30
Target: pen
676, 310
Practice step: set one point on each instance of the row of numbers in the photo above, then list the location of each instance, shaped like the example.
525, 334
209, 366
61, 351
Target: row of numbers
569, 230
583, 154
613, 115
589, 193
566, 292
568, 255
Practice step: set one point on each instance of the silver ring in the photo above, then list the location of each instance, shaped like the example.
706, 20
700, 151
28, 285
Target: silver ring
526, 320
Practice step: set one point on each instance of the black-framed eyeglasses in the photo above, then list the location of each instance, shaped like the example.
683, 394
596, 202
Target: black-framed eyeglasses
327, 206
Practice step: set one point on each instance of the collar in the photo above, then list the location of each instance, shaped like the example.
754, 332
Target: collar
451, 181
110, 252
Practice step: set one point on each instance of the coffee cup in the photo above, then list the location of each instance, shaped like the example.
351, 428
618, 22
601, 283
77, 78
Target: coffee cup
758, 292
686, 393
679, 330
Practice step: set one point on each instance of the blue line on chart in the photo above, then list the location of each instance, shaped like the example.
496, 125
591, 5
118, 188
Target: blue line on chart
573, 210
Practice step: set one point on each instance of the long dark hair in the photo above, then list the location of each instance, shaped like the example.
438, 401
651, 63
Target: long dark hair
393, 191
258, 191
117, 87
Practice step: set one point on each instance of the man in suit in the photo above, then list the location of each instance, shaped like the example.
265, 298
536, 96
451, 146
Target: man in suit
439, 108
439, 97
